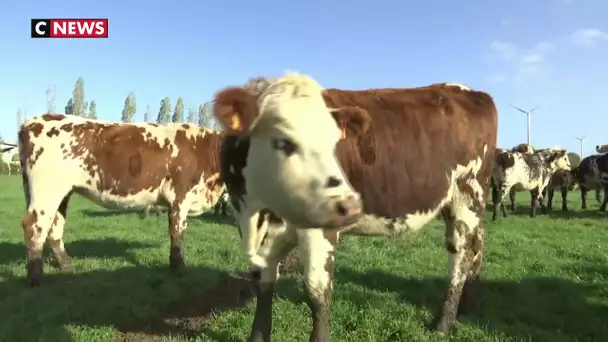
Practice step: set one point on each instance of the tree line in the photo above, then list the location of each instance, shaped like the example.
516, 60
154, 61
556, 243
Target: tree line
77, 105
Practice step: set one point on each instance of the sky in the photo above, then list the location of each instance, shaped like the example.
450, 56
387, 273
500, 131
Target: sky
547, 53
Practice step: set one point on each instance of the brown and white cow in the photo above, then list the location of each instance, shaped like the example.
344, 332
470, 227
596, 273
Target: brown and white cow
116, 165
408, 153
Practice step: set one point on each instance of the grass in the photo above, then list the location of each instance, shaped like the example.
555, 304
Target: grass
545, 279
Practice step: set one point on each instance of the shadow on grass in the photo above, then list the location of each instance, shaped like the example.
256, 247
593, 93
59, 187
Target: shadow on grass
207, 217
592, 213
140, 302
534, 308
104, 248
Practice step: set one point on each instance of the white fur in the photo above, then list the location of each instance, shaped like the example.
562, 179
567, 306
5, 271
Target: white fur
601, 148
7, 156
291, 107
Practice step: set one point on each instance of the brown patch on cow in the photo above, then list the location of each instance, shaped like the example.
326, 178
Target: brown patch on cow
188, 316
135, 165
27, 223
418, 134
53, 117
52, 132
67, 127
235, 109
185, 126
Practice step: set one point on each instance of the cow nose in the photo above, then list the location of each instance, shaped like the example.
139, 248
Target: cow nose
333, 182
345, 210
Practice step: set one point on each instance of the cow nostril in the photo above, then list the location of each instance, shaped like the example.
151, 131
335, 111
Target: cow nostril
333, 182
341, 209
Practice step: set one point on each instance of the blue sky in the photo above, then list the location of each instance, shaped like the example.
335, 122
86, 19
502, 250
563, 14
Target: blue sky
552, 53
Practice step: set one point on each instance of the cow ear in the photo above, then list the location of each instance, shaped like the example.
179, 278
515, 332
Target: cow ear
235, 109
352, 121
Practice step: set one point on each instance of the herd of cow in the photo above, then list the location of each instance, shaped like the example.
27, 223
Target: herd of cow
300, 165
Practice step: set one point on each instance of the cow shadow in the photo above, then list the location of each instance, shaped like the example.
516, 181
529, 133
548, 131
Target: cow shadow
592, 213
101, 213
139, 302
533, 308
108, 248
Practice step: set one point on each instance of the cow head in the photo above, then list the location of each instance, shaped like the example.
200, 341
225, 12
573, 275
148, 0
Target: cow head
601, 148
292, 168
556, 158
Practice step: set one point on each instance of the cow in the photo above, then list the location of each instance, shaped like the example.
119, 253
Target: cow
8, 151
525, 171
601, 148
589, 177
362, 162
523, 148
115, 165
563, 181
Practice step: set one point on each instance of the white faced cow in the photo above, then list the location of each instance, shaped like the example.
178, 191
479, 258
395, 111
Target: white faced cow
402, 157
116, 165
525, 171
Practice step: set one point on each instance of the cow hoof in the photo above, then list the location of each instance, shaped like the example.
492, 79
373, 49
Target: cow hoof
66, 267
443, 326
177, 264
34, 272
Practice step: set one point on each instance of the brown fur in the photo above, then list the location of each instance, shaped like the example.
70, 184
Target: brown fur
233, 103
124, 159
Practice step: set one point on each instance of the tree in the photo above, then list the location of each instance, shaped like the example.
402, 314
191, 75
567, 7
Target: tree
93, 110
128, 112
178, 112
575, 159
147, 113
85, 110
51, 93
204, 115
78, 103
69, 107
191, 115
164, 113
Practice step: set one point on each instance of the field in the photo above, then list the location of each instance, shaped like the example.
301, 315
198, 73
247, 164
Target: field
544, 280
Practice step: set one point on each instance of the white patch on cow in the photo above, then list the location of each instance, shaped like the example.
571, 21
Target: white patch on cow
459, 85
293, 114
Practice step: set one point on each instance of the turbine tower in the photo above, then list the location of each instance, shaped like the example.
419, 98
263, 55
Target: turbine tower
528, 113
582, 140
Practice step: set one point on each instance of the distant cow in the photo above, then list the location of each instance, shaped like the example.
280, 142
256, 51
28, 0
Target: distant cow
523, 148
601, 148
8, 151
377, 162
525, 171
589, 177
564, 181
117, 166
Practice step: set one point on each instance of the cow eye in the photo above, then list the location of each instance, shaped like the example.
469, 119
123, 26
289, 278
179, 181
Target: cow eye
285, 145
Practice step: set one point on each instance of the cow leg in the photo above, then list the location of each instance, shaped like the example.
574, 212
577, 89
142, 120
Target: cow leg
512, 195
278, 242
549, 193
318, 252
464, 243
564, 198
583, 197
534, 197
499, 199
605, 201
598, 195
36, 224
177, 226
55, 237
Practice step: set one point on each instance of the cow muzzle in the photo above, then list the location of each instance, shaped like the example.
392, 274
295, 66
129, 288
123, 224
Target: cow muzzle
344, 211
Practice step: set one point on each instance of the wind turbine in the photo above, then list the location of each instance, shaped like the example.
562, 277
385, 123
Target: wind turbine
527, 112
582, 140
